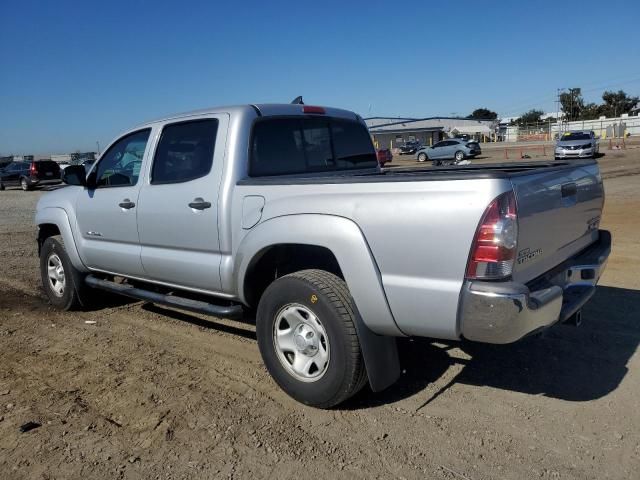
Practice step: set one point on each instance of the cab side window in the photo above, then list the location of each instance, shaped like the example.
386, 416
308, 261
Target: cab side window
120, 165
184, 152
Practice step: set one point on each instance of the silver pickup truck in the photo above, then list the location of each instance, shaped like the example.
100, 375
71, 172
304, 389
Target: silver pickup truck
282, 210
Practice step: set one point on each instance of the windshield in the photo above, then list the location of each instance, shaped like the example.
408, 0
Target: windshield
575, 136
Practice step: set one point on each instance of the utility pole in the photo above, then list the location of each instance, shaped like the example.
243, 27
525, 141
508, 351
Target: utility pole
557, 110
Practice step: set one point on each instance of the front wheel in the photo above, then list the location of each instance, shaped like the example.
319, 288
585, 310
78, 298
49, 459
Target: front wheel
62, 282
422, 157
307, 337
459, 156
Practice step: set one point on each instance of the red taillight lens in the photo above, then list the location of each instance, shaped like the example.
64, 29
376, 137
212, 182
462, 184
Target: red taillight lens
33, 169
312, 109
494, 246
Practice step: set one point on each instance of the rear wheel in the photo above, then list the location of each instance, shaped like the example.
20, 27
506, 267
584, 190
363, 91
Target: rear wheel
459, 156
62, 282
24, 183
422, 157
307, 338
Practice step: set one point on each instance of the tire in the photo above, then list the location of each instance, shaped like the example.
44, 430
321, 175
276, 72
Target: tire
1, 187
422, 157
317, 308
65, 287
24, 183
459, 156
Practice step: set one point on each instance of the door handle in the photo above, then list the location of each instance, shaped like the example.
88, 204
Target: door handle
199, 204
126, 204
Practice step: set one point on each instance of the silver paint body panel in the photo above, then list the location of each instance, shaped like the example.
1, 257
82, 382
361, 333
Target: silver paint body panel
402, 245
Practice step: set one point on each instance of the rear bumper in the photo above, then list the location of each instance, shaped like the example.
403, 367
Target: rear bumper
44, 181
493, 312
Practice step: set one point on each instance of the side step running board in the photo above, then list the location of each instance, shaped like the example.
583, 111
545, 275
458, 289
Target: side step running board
162, 299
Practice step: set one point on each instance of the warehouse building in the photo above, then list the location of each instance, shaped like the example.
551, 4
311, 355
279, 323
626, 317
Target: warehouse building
389, 132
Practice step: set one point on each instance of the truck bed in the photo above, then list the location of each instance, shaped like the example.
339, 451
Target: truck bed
413, 174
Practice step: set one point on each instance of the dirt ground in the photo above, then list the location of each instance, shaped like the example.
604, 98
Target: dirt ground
147, 392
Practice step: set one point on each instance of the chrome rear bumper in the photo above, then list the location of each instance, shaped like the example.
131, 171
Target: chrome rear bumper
503, 312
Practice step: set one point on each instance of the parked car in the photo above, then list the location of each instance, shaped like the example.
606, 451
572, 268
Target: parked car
222, 209
447, 151
384, 156
409, 148
577, 144
29, 174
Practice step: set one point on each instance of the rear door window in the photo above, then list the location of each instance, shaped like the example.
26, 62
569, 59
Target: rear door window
184, 152
282, 146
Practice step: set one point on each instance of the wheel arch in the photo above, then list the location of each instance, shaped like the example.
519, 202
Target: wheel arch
53, 221
338, 236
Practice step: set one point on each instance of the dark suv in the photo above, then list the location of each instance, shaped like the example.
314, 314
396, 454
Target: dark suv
29, 174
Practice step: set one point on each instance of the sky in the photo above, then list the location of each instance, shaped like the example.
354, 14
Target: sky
73, 73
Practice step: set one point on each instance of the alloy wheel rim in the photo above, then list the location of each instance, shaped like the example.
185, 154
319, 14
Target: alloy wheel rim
301, 343
55, 273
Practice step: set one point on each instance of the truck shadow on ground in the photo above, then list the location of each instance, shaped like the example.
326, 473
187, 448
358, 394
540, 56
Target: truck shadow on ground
568, 363
204, 323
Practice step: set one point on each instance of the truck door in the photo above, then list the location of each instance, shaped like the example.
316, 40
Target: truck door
178, 204
106, 212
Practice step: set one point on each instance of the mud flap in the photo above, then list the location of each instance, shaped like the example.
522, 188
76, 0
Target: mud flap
380, 355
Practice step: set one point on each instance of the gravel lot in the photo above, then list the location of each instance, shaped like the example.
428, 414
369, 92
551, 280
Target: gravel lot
147, 392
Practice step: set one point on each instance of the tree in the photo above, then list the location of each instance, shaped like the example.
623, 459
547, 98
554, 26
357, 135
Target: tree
591, 111
532, 116
483, 114
572, 104
617, 103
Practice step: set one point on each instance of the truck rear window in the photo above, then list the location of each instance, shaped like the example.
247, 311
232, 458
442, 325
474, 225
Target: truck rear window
281, 146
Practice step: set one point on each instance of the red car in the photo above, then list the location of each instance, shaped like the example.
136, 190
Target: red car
384, 156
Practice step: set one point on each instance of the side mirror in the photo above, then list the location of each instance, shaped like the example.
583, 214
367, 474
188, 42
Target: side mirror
75, 175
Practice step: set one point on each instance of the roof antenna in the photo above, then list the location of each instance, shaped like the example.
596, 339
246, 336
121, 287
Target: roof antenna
297, 101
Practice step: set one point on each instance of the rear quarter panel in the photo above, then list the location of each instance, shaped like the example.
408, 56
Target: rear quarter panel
419, 234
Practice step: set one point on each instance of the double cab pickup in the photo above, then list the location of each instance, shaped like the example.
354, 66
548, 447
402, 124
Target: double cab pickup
281, 211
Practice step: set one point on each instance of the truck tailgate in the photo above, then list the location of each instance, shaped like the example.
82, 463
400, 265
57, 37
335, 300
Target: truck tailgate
558, 215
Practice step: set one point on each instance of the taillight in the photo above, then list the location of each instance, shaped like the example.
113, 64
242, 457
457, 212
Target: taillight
33, 169
494, 246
